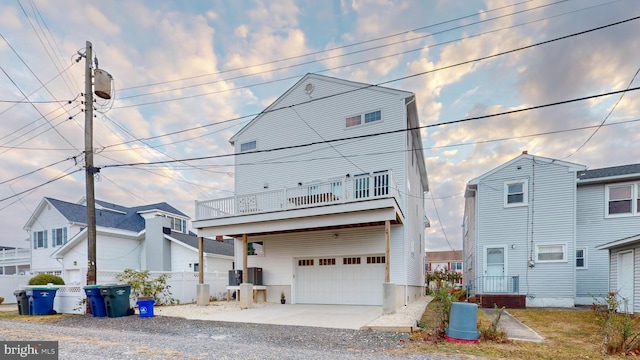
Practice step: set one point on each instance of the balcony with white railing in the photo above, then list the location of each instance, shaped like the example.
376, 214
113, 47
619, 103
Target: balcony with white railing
347, 189
14, 256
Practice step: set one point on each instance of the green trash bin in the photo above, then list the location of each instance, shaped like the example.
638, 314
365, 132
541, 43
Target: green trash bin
116, 300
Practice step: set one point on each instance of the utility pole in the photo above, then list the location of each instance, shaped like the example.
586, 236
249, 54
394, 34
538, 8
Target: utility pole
90, 169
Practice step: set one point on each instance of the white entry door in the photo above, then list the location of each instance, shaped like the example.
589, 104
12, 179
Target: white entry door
625, 281
495, 264
350, 280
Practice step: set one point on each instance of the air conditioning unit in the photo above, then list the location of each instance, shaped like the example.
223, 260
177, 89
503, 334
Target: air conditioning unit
235, 277
254, 275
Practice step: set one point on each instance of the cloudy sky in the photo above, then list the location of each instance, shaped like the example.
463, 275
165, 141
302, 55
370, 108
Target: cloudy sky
188, 75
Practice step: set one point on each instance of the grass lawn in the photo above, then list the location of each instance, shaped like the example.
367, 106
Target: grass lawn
568, 334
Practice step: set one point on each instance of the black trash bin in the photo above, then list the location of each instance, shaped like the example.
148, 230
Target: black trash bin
23, 302
116, 300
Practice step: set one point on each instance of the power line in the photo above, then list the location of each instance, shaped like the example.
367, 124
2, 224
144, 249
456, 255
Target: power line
440, 222
41, 185
350, 53
338, 47
323, 70
605, 118
386, 132
39, 169
367, 86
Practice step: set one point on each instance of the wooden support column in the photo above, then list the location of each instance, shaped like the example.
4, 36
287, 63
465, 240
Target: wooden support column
200, 260
245, 250
387, 251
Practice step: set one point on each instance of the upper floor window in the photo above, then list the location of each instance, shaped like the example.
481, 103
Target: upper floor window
177, 224
369, 117
248, 146
59, 236
622, 200
255, 248
40, 239
515, 193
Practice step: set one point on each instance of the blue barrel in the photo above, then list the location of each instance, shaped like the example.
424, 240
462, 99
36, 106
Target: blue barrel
463, 322
41, 300
95, 300
145, 306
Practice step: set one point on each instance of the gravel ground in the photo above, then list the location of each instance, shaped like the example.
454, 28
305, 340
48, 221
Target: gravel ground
163, 337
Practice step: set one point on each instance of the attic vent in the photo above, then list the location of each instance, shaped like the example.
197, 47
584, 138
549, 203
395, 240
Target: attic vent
308, 89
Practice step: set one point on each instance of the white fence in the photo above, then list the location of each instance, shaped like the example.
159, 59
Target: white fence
70, 298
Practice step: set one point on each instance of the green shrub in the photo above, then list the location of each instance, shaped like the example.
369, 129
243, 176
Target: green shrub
44, 279
142, 284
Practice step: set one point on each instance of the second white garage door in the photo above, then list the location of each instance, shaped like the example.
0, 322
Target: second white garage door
351, 280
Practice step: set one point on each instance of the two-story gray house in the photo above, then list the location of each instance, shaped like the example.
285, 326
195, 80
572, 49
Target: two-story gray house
531, 227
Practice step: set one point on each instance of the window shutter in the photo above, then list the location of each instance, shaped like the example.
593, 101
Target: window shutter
184, 226
54, 237
64, 235
35, 240
45, 238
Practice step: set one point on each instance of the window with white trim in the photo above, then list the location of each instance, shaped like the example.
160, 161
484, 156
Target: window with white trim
516, 193
40, 239
622, 200
176, 224
581, 258
248, 146
59, 237
369, 117
546, 253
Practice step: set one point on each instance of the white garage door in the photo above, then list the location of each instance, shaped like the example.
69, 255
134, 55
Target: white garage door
352, 280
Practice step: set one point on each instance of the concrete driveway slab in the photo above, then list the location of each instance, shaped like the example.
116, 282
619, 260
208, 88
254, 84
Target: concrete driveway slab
328, 316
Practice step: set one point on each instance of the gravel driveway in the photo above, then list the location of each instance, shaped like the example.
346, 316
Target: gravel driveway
161, 337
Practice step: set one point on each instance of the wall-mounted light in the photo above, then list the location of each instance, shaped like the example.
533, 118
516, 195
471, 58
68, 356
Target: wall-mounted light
75, 263
335, 236
266, 185
513, 246
189, 264
299, 184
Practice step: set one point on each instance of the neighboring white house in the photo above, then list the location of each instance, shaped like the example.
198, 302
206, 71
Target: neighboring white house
14, 260
531, 227
338, 209
149, 237
444, 260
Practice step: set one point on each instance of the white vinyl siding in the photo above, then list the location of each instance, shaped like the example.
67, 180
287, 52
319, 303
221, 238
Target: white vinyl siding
547, 219
595, 227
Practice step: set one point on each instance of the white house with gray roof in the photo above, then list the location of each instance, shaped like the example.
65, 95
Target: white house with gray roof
149, 237
335, 215
534, 226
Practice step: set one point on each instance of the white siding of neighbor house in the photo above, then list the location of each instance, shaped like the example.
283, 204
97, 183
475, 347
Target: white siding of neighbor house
593, 230
182, 256
547, 219
613, 272
48, 219
280, 251
112, 253
414, 213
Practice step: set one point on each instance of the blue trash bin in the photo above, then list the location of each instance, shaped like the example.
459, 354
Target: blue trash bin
145, 306
95, 300
41, 300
